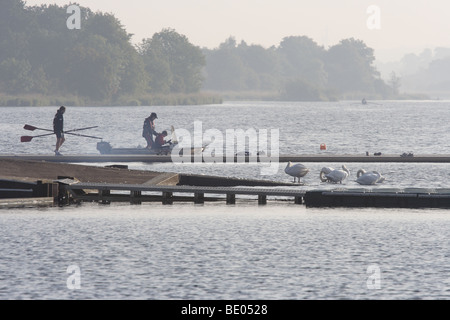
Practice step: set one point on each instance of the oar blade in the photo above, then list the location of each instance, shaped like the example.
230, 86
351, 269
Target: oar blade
28, 138
29, 127
25, 138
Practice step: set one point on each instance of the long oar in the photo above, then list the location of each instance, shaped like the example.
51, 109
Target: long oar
81, 135
32, 128
29, 138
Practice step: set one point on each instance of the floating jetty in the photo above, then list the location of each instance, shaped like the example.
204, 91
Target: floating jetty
379, 198
135, 194
20, 193
387, 198
41, 183
24, 182
196, 158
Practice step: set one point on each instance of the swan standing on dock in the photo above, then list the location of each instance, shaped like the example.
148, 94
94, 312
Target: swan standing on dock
338, 175
297, 170
324, 172
368, 178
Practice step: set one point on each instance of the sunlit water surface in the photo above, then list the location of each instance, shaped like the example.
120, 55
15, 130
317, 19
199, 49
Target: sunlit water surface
242, 251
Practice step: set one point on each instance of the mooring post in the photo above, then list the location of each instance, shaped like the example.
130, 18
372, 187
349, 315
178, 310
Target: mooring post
39, 189
104, 193
231, 198
62, 196
135, 197
199, 197
262, 199
167, 197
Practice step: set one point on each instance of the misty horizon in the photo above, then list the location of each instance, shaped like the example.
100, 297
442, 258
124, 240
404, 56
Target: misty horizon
294, 67
403, 27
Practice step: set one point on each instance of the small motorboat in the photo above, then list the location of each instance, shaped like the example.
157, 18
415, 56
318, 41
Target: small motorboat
166, 149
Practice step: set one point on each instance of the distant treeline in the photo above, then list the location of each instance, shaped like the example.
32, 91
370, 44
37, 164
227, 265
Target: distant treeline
42, 60
297, 69
40, 56
427, 72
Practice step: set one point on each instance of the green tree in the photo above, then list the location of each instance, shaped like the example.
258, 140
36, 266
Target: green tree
261, 66
127, 72
350, 66
100, 62
14, 27
134, 79
157, 67
15, 76
50, 42
92, 69
173, 62
225, 69
302, 58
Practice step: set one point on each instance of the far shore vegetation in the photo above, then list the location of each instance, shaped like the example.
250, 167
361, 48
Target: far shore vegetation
44, 63
39, 100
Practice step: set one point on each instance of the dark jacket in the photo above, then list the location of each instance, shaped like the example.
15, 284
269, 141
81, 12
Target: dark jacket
149, 128
58, 122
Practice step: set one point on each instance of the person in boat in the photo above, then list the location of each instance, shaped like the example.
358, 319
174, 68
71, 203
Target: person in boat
58, 129
160, 140
161, 146
148, 130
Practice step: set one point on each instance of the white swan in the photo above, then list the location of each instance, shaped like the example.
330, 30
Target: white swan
338, 175
296, 170
324, 172
368, 178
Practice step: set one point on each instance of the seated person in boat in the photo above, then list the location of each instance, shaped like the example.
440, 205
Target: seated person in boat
159, 141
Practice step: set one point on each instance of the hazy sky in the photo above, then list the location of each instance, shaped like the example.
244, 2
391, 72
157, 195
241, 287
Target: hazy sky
404, 25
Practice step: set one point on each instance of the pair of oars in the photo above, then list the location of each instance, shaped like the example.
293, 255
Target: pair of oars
32, 128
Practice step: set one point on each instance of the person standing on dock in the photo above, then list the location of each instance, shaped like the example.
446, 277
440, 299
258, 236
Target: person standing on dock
58, 129
149, 129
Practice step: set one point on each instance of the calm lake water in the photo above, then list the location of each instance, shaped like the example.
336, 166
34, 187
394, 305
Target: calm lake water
242, 251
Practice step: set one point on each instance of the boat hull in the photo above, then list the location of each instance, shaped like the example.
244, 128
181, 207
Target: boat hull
105, 148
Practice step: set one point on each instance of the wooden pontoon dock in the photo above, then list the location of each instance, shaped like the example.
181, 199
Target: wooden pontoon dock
36, 183
387, 198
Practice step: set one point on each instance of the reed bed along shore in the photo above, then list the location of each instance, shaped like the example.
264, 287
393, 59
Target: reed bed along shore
143, 100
